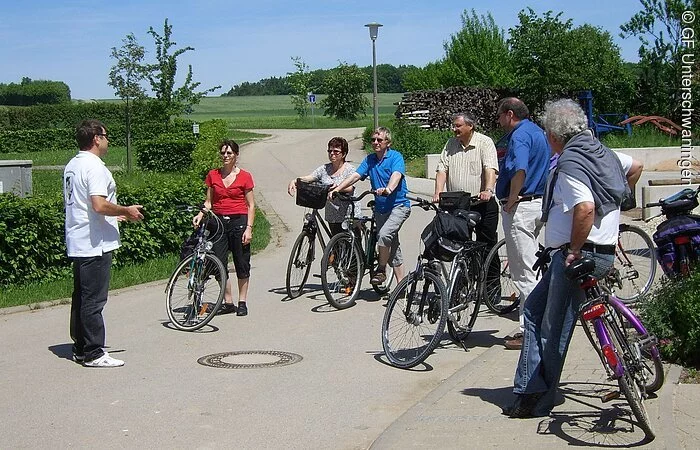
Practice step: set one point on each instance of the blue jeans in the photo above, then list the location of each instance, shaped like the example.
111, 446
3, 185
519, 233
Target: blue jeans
550, 315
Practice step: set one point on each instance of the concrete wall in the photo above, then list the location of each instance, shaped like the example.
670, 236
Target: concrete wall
16, 177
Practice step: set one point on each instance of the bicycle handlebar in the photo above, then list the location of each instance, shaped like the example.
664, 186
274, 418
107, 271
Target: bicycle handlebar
350, 198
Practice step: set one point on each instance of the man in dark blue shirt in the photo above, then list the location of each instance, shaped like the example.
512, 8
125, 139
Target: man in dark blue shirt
522, 173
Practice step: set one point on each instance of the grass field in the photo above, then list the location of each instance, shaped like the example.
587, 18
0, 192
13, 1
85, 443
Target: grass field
276, 111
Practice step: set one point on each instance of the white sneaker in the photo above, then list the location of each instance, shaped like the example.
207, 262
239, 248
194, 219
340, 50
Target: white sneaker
104, 361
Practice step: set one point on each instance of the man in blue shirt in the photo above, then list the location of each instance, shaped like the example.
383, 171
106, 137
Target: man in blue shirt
522, 174
387, 176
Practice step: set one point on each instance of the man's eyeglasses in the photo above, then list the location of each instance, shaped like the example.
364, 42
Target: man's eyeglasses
102, 134
374, 139
226, 153
332, 150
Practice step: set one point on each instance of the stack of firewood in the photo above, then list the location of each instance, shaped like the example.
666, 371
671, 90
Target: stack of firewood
435, 108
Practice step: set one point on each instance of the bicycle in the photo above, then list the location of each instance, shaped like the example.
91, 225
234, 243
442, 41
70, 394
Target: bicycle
631, 277
634, 270
420, 306
622, 355
678, 236
303, 252
349, 255
196, 288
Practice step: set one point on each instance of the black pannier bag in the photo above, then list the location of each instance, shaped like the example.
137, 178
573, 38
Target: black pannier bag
445, 235
312, 195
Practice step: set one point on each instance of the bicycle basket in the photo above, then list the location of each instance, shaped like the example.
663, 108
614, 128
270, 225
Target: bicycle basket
312, 195
450, 201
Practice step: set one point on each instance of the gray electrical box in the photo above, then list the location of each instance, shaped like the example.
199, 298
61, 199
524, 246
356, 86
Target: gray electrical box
16, 177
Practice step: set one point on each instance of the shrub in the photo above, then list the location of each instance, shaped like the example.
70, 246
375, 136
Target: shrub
34, 92
32, 243
168, 152
205, 156
415, 142
672, 313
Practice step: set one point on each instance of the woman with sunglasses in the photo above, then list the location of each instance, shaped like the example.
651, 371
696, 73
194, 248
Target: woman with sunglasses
230, 197
332, 174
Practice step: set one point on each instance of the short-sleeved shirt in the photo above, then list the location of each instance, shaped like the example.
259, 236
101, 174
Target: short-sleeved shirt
379, 172
465, 165
336, 210
88, 233
569, 192
526, 149
229, 200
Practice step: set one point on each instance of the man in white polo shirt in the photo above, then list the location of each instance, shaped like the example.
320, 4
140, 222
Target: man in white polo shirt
92, 234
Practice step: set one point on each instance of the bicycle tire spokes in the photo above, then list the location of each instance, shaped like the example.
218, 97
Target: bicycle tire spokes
195, 291
414, 319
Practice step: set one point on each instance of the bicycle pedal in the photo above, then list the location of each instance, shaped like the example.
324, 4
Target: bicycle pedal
611, 395
203, 309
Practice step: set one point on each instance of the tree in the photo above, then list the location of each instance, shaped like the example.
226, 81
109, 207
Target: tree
299, 83
344, 86
477, 55
552, 59
659, 27
161, 76
125, 77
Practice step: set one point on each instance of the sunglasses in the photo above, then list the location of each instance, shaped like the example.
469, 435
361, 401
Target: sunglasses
377, 139
330, 151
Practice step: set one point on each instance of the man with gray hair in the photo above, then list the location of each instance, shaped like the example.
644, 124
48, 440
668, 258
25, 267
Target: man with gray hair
581, 208
468, 163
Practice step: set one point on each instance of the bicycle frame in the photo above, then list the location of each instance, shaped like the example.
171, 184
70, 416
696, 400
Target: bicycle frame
595, 309
311, 222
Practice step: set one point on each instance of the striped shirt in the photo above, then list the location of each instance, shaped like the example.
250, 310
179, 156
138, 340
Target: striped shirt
465, 165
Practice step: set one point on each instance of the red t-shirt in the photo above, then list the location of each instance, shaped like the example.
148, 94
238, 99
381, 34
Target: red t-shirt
229, 200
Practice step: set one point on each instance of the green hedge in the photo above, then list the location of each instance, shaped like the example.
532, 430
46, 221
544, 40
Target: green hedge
23, 128
32, 243
166, 153
48, 139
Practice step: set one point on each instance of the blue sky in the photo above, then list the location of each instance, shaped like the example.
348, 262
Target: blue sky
236, 41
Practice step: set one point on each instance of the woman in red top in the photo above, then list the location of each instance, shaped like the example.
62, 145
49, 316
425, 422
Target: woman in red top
230, 197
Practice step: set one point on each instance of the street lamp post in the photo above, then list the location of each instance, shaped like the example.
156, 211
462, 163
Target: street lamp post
373, 32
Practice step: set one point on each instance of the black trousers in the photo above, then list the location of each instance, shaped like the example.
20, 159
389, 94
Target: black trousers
231, 240
487, 231
90, 287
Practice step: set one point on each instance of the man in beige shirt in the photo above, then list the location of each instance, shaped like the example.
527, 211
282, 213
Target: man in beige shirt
469, 163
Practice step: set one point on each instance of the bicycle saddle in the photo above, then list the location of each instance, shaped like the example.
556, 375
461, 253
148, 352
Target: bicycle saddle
580, 269
472, 217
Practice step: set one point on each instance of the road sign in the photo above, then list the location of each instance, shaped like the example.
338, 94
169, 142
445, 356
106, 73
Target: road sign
312, 98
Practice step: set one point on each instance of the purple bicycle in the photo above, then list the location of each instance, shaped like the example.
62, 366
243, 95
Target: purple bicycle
628, 352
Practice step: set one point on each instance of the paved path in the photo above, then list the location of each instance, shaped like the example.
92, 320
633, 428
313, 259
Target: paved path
341, 395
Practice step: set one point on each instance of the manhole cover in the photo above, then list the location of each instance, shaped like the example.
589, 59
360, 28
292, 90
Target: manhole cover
249, 359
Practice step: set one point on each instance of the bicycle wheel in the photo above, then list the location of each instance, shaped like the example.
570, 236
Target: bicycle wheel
635, 264
299, 265
195, 291
385, 287
464, 299
500, 294
414, 319
341, 271
647, 355
631, 382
